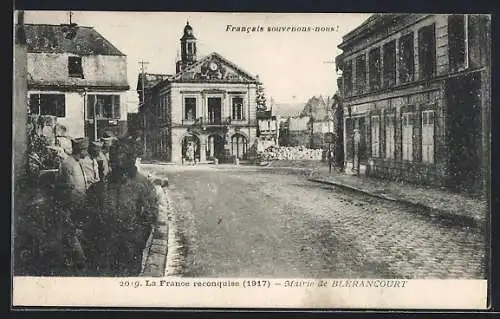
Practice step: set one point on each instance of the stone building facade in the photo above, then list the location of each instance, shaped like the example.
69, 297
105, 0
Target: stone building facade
417, 87
74, 73
209, 103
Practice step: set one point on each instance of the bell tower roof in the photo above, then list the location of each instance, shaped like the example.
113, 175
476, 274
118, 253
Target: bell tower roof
188, 32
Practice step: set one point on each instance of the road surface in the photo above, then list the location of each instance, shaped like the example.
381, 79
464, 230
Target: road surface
241, 222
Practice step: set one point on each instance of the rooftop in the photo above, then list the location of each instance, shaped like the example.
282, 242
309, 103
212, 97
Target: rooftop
65, 38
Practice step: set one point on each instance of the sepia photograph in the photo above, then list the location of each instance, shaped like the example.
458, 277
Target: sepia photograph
209, 159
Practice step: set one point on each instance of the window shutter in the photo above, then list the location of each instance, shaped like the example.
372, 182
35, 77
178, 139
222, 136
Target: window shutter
417, 136
116, 107
90, 106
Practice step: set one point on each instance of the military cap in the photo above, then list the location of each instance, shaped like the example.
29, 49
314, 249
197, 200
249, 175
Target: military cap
108, 134
80, 143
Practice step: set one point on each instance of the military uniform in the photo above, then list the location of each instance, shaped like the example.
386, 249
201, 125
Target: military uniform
71, 185
91, 166
123, 214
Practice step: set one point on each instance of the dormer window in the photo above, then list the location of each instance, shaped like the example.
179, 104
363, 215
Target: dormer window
75, 68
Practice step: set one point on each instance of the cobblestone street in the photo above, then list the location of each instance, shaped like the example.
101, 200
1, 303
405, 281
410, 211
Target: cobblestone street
260, 223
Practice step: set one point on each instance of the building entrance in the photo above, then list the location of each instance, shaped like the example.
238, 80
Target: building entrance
190, 148
215, 147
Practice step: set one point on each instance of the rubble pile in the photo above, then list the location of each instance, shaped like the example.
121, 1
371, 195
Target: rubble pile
295, 153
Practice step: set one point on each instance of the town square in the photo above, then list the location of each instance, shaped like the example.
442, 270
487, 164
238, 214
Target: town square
229, 145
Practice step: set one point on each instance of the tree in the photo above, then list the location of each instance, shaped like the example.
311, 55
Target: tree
261, 98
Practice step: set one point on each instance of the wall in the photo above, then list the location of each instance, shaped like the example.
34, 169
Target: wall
298, 124
19, 106
178, 134
52, 69
74, 119
323, 127
415, 96
180, 90
76, 110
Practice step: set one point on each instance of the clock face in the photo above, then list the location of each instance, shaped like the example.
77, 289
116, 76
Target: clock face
213, 66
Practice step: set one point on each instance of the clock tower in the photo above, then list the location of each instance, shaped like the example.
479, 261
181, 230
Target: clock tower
188, 49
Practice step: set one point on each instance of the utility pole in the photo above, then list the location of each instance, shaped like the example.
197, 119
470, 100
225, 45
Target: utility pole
143, 98
70, 17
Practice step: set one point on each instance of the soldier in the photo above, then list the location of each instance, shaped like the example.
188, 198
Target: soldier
124, 214
90, 163
107, 141
71, 185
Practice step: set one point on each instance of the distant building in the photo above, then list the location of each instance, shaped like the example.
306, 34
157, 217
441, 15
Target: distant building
209, 103
417, 86
268, 127
74, 73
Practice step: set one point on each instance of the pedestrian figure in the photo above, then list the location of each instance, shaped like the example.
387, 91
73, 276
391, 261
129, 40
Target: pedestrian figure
107, 141
190, 153
123, 214
90, 163
71, 185
357, 141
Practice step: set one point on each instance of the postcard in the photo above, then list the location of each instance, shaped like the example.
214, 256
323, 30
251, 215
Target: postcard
251, 160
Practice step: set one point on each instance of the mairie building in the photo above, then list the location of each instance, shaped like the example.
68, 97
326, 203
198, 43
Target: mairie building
209, 102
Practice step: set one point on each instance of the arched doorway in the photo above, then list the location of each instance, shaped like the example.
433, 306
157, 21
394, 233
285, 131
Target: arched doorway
239, 145
215, 147
195, 142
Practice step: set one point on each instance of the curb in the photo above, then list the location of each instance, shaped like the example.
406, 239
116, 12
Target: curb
420, 208
155, 255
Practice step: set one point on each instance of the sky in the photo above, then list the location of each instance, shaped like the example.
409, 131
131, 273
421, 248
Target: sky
293, 66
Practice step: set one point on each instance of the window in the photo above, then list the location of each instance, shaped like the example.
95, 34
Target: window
457, 41
106, 106
427, 51
190, 108
360, 74
374, 71
237, 108
428, 136
389, 76
389, 136
238, 146
75, 68
406, 58
375, 136
48, 104
163, 101
190, 48
407, 131
347, 75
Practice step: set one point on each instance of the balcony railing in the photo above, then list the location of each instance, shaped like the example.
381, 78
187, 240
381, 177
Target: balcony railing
208, 121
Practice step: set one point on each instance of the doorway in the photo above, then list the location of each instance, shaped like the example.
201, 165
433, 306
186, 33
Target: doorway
239, 146
214, 110
215, 147
188, 142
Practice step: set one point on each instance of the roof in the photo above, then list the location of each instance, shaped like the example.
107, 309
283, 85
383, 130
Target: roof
371, 24
151, 79
47, 38
214, 55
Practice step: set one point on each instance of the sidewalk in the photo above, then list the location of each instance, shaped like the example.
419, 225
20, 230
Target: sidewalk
154, 256
437, 202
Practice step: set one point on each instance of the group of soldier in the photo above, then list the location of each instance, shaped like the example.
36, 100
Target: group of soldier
106, 209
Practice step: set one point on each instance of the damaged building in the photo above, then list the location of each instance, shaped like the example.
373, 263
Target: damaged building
417, 87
